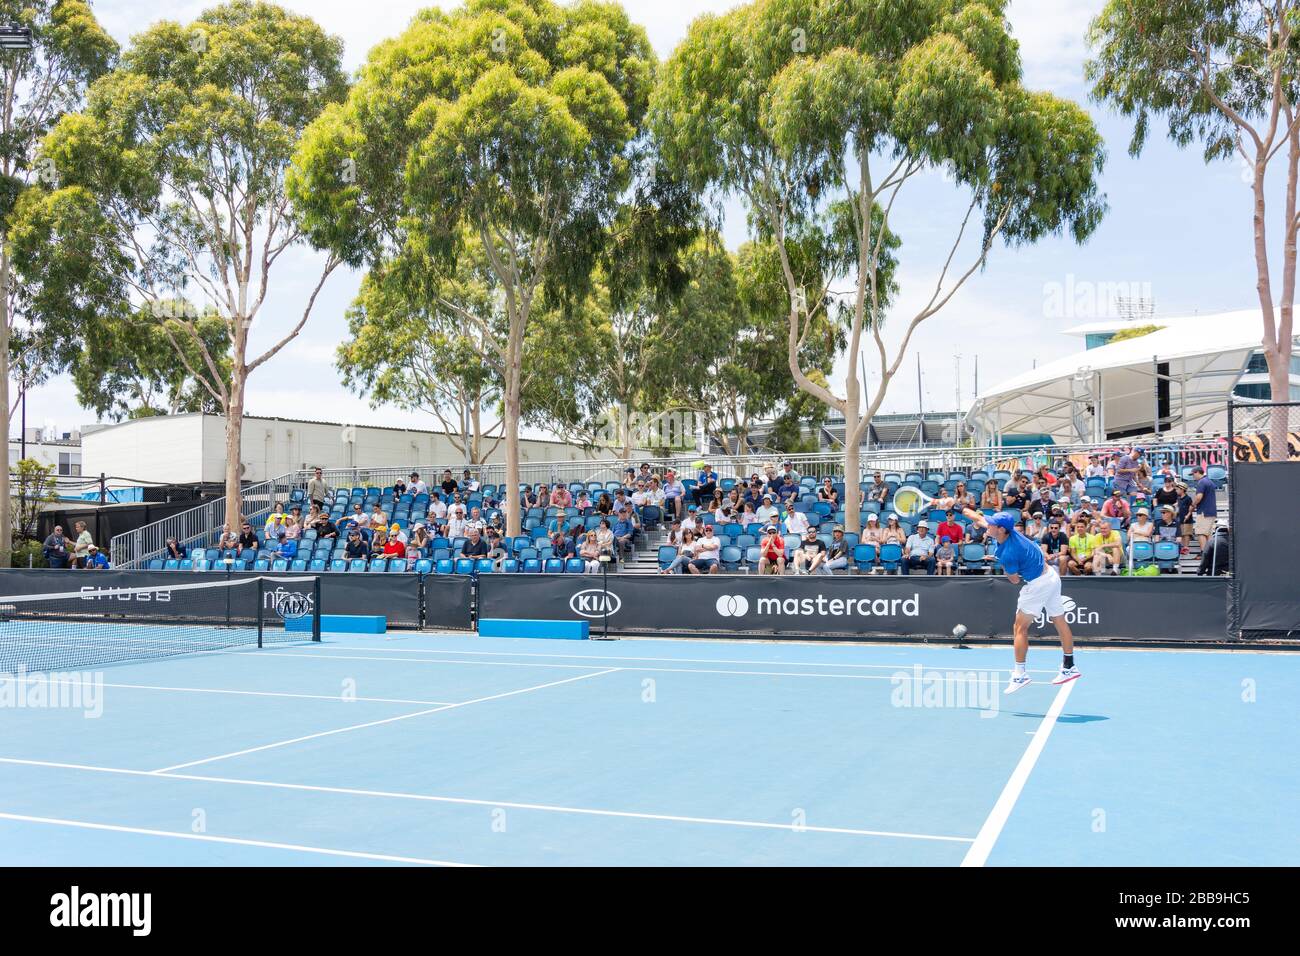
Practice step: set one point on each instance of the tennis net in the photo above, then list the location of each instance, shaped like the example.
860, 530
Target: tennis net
104, 625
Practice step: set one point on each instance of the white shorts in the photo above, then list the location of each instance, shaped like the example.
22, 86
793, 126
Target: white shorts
1042, 593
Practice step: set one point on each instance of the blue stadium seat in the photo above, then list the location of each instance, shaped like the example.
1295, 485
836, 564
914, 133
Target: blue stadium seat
464, 565
440, 554
397, 565
575, 566
424, 566
378, 564
864, 557
280, 564
357, 564
317, 565
731, 558
445, 566
554, 566
298, 566
972, 559
667, 554
891, 555
171, 564
338, 564
201, 565
262, 564
746, 541
198, 554
1143, 553
752, 555
156, 564
532, 566
509, 566
484, 566
1166, 555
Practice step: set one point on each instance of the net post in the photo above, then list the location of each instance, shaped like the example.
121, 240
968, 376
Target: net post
315, 610
261, 608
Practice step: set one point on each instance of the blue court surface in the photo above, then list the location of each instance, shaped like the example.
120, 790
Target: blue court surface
460, 750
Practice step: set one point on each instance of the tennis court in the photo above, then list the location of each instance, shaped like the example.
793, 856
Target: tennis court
446, 749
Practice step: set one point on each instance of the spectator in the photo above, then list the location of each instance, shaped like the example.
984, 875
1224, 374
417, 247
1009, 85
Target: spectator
879, 490
287, 547
1166, 524
605, 535
706, 483
529, 499
945, 556
497, 552
561, 497
448, 485
992, 497
394, 547
358, 518
55, 548
873, 533
685, 545
962, 498
748, 517
317, 489
1045, 475
771, 552
293, 523
1083, 543
624, 534
766, 512
474, 546
1126, 471
247, 542
951, 529
810, 554
1067, 493
754, 492
1185, 515
1055, 545
1034, 525
377, 517
475, 520
708, 547
1109, 553
469, 481
1167, 493
356, 546
645, 474
788, 474
691, 521
674, 495
419, 538
378, 541
918, 552
395, 533
1141, 529
1042, 502
796, 523
583, 504
590, 553
1216, 556
828, 494
1117, 509
1018, 498
837, 553
96, 561
788, 492
81, 550
894, 533
543, 496
562, 544
175, 550
437, 512
275, 522
326, 528
1205, 505
228, 540
457, 526
1095, 468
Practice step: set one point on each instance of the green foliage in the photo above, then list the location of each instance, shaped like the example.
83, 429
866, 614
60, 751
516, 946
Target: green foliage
128, 366
31, 487
28, 554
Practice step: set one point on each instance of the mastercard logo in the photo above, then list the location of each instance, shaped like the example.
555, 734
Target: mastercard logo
733, 605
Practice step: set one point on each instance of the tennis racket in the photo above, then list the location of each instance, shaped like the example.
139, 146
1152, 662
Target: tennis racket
910, 501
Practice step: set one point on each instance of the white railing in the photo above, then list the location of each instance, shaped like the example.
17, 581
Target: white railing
198, 525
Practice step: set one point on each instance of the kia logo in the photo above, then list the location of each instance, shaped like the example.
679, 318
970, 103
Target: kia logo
733, 605
595, 603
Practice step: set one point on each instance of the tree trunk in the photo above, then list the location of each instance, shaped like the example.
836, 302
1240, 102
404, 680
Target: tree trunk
852, 463
6, 514
234, 445
1279, 379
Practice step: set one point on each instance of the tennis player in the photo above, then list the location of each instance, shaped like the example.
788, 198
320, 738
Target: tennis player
1023, 561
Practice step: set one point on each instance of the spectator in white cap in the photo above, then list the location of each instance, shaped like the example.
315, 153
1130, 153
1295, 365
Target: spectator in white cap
873, 533
837, 554
1141, 529
1166, 523
766, 512
919, 550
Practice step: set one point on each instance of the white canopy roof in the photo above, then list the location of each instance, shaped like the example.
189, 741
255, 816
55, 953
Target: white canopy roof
1189, 368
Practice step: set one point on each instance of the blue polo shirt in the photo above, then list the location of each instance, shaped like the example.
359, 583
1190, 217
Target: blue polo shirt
1209, 506
1019, 555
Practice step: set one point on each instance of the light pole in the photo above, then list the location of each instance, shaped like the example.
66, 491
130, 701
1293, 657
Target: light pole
605, 558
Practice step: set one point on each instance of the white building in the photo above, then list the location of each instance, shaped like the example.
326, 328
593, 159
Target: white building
191, 448
60, 450
1178, 379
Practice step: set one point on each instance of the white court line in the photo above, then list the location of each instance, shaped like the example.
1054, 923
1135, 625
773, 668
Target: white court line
321, 648
208, 838
979, 852
376, 723
430, 798
902, 671
247, 693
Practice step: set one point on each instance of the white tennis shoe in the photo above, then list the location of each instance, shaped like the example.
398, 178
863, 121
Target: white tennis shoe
1066, 675
1017, 681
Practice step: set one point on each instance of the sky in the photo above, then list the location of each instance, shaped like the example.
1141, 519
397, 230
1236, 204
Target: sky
1177, 232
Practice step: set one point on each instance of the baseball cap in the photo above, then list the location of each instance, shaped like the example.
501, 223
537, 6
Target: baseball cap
872, 516
1167, 508
1143, 511
770, 528
946, 540
1004, 520
923, 523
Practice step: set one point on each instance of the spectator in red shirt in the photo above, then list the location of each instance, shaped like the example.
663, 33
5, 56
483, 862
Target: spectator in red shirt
1117, 509
950, 529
